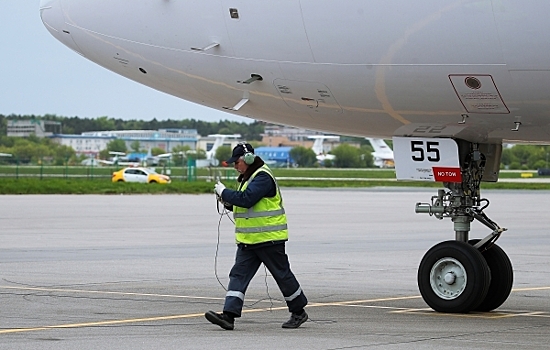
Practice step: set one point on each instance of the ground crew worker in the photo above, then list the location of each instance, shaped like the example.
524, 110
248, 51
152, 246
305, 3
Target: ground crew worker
260, 233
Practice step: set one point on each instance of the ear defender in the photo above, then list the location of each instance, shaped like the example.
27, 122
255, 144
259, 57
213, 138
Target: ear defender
248, 156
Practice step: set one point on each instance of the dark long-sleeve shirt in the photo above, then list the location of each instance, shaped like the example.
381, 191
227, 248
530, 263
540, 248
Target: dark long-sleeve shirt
261, 186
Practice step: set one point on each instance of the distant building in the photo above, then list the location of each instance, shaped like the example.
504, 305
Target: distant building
88, 145
275, 156
206, 143
281, 135
26, 128
91, 143
165, 139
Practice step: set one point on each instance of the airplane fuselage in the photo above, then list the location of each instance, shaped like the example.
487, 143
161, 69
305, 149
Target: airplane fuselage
355, 67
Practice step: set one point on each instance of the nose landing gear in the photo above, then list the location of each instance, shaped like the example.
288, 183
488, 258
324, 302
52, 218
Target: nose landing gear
464, 275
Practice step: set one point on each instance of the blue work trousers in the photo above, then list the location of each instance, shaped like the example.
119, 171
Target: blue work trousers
247, 262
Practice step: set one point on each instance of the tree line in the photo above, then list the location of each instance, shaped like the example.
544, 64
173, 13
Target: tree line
77, 125
525, 157
36, 150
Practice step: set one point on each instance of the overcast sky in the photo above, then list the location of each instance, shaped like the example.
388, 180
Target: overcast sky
39, 75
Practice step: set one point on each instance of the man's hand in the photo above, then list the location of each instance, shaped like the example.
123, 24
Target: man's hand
218, 188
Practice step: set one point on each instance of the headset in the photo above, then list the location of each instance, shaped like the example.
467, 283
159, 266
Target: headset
248, 156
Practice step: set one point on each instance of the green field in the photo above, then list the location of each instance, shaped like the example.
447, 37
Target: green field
182, 172
87, 180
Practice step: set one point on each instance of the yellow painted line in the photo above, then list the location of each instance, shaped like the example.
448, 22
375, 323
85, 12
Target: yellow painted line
350, 303
487, 315
162, 318
428, 311
99, 323
409, 310
343, 303
522, 314
471, 315
58, 290
118, 322
530, 289
535, 313
393, 308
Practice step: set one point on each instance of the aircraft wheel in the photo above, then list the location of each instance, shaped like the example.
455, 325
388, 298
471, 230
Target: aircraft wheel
502, 277
453, 277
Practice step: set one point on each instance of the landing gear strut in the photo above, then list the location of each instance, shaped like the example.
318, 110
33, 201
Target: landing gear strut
464, 275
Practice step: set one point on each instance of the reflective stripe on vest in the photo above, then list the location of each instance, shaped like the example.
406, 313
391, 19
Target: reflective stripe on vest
265, 221
261, 229
251, 214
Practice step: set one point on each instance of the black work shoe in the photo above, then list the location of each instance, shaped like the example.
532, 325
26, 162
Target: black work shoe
296, 320
221, 320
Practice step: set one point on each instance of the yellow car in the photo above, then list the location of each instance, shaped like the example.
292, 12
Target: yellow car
144, 175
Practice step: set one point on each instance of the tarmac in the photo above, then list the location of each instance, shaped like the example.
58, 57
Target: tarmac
140, 271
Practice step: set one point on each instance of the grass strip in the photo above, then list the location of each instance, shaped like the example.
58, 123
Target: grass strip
105, 186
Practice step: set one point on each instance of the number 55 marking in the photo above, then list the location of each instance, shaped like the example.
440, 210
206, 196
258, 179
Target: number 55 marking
420, 150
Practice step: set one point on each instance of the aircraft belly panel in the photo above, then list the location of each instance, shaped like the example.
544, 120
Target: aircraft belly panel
161, 69
267, 30
402, 33
523, 27
310, 97
179, 25
405, 94
533, 89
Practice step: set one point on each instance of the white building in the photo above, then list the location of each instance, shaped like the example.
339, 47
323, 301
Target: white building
91, 143
88, 145
26, 128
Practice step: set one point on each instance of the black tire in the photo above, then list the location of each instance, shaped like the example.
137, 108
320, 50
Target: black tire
502, 277
453, 277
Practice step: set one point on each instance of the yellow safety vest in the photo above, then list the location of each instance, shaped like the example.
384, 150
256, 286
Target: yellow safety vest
265, 221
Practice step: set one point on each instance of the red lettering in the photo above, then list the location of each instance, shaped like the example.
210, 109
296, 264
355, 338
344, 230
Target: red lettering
446, 174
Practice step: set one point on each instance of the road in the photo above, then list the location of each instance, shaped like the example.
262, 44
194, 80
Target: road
139, 271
